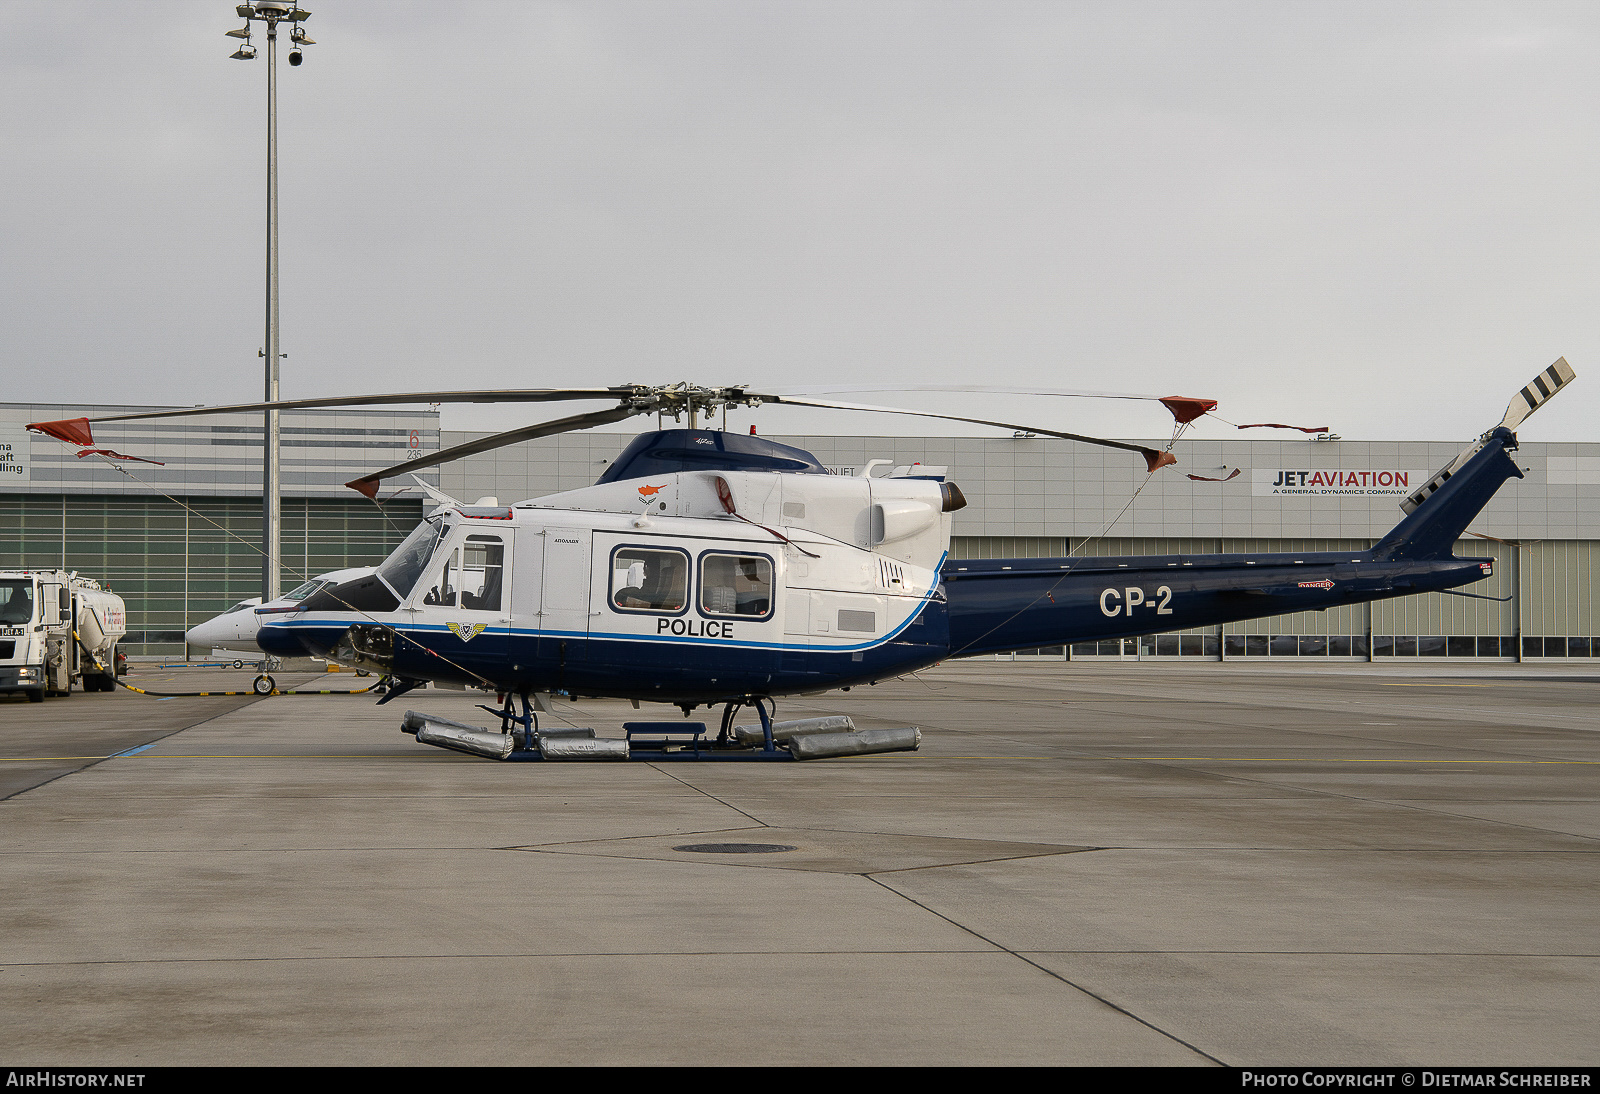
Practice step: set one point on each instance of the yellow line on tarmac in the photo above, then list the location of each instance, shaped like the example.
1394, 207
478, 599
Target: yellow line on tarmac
1337, 760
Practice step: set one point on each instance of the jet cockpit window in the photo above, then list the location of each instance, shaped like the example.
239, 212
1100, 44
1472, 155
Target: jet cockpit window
305, 590
473, 576
16, 602
646, 579
402, 568
736, 585
241, 606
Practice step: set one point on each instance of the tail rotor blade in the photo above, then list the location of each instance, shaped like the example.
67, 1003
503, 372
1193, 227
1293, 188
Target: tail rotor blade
1529, 399
1538, 392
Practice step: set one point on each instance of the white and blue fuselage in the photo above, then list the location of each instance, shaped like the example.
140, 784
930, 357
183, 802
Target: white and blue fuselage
689, 585
705, 586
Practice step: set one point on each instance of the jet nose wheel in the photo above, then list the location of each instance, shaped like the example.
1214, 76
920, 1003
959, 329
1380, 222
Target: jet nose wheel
264, 685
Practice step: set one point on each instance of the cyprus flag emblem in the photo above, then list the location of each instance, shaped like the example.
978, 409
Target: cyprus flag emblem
467, 631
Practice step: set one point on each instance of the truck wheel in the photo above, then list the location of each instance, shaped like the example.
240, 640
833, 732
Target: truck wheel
36, 695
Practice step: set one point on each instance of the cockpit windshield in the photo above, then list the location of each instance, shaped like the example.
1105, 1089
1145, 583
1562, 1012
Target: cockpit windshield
305, 590
402, 568
16, 601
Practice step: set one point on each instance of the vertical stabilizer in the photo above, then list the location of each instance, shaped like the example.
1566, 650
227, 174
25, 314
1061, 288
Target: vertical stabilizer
1437, 514
1524, 403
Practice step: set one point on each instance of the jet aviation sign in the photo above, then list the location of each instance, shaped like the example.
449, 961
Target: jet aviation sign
1334, 482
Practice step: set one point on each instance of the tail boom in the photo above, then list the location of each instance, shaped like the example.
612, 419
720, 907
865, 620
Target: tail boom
997, 605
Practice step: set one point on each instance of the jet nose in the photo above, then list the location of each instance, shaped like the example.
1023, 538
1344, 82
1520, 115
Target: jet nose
208, 634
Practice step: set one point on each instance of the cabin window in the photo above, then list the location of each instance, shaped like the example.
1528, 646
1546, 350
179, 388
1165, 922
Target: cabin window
648, 579
473, 576
736, 585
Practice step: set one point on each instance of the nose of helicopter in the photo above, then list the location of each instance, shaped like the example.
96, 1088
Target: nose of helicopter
280, 641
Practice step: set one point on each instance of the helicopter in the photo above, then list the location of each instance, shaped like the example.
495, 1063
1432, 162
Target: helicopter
708, 568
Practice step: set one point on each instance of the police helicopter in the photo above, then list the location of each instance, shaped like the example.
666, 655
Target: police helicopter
708, 568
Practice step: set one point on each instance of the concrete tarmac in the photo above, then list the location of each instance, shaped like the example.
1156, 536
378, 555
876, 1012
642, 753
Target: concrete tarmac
1085, 864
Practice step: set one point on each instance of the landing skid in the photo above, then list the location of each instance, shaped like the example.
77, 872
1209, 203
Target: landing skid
520, 738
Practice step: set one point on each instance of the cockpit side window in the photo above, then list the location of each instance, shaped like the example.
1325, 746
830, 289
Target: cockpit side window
16, 601
473, 575
649, 579
305, 590
443, 594
483, 567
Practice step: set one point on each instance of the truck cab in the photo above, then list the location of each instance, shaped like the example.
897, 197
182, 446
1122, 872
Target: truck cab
56, 630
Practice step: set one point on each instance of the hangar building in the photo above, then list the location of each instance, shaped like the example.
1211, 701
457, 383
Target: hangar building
179, 541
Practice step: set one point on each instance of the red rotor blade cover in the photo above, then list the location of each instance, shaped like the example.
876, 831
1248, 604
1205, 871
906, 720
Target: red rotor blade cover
1185, 409
72, 430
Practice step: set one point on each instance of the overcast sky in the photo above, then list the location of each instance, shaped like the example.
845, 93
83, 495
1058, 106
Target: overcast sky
1381, 217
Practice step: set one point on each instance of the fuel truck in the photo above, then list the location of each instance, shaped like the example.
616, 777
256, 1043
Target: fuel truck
40, 612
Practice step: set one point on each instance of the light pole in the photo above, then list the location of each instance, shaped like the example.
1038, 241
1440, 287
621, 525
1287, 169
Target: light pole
271, 12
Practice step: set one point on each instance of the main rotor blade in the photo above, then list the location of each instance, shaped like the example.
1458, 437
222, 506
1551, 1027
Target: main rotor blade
368, 484
1184, 408
1153, 458
504, 395
994, 389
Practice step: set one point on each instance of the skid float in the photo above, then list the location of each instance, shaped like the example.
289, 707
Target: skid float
520, 738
